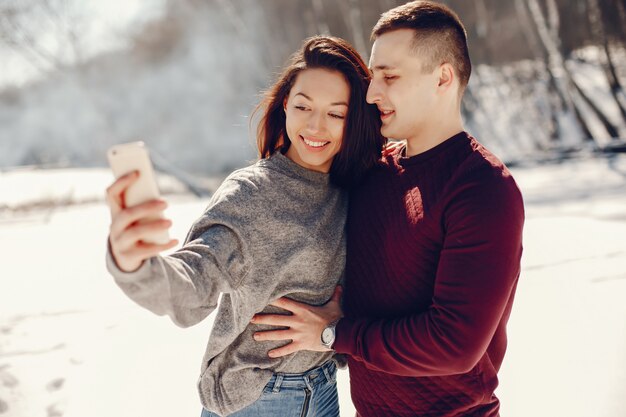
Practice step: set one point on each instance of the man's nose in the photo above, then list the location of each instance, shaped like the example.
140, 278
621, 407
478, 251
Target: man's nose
373, 93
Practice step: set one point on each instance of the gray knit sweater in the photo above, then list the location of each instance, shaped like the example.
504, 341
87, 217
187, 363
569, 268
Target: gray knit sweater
272, 229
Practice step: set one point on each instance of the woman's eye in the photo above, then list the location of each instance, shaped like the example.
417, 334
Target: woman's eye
300, 108
336, 116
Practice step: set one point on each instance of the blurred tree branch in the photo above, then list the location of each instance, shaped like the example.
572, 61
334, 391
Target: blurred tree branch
597, 29
42, 32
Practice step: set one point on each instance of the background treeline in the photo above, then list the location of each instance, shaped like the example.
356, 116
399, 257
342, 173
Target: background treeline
548, 77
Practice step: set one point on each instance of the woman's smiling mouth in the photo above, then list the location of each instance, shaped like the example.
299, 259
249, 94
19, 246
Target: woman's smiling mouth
315, 144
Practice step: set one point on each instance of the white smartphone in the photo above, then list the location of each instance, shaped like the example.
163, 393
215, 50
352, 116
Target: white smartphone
127, 157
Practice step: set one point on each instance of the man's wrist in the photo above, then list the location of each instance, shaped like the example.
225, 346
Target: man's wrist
328, 335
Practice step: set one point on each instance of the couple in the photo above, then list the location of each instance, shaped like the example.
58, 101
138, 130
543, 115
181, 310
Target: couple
427, 249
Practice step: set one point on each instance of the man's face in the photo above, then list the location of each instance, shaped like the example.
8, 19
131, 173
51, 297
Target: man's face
404, 93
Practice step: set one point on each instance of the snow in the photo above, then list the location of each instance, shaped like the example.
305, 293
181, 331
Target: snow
73, 345
31, 186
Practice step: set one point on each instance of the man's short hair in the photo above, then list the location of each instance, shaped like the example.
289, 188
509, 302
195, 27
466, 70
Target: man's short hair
440, 37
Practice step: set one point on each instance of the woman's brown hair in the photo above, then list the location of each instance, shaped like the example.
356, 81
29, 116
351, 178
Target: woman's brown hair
362, 142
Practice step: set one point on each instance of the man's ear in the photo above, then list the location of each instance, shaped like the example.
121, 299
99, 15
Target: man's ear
446, 76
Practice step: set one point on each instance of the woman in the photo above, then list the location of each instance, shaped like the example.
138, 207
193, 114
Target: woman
273, 229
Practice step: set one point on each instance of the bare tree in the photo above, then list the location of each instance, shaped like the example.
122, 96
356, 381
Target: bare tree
556, 101
621, 11
597, 29
351, 12
320, 17
536, 31
578, 93
570, 93
22, 24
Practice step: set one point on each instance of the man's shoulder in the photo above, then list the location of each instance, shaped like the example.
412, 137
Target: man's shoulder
483, 175
481, 155
483, 164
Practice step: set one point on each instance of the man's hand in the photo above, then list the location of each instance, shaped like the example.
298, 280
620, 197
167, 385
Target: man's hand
305, 325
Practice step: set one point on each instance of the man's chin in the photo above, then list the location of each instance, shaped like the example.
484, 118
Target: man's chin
388, 132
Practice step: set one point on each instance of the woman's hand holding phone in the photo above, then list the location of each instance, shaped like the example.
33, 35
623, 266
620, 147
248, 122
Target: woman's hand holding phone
138, 229
132, 227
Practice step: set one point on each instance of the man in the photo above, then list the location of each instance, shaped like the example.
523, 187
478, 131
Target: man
434, 240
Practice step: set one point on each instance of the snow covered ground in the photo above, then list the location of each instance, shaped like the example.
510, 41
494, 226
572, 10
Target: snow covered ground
72, 345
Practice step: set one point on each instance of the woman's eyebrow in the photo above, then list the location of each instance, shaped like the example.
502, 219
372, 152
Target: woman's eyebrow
338, 103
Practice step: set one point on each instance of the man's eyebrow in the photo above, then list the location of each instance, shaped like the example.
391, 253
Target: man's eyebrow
338, 103
382, 68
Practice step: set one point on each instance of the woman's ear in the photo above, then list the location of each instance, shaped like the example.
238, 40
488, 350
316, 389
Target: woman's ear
285, 104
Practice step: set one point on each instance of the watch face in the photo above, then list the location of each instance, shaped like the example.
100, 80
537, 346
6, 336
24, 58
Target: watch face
327, 335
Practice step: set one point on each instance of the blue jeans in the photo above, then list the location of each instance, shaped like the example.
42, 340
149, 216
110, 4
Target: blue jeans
310, 394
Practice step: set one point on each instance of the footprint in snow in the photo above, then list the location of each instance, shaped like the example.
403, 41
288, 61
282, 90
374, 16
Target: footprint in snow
55, 384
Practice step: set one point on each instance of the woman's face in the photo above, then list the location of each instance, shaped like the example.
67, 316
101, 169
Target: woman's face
316, 111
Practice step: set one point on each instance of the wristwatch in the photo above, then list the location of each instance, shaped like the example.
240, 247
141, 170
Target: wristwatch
328, 335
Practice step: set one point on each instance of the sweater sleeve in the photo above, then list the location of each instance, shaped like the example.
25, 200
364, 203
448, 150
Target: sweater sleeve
186, 284
476, 276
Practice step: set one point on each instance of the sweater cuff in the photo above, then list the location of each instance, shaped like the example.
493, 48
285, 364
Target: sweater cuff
344, 342
122, 276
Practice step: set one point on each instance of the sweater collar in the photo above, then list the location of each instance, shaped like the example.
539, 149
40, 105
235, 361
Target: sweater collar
286, 165
445, 146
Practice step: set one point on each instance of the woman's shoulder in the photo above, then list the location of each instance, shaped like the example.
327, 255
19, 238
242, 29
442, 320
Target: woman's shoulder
236, 199
242, 183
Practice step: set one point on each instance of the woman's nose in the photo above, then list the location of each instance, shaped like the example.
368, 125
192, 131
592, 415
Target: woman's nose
315, 123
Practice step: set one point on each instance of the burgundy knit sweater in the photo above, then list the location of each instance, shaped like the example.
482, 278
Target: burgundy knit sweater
434, 248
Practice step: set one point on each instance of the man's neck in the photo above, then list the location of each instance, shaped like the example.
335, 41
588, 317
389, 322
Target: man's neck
429, 138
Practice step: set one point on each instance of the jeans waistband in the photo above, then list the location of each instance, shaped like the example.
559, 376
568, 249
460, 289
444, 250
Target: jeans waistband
308, 379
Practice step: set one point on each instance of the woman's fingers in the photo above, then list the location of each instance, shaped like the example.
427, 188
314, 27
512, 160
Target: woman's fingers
146, 250
115, 192
133, 227
131, 258
142, 231
142, 250
126, 217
